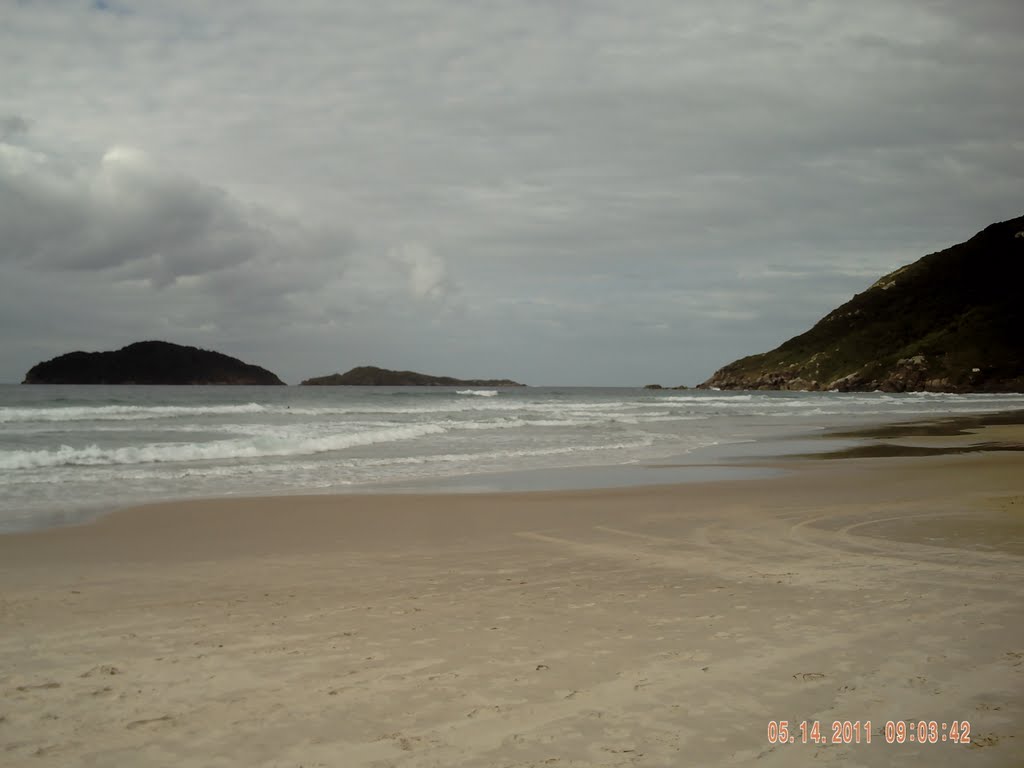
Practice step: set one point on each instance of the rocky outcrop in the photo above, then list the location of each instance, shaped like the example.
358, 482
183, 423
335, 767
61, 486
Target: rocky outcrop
949, 322
906, 375
371, 376
149, 362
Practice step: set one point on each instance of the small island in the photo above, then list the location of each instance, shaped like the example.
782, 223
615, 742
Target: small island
149, 362
371, 376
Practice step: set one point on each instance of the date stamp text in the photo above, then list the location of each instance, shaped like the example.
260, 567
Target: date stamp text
860, 732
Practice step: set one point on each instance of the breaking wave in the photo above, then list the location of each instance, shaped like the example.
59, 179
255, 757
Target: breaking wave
123, 412
257, 447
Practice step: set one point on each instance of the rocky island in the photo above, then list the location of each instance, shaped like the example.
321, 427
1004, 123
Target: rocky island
371, 376
149, 362
951, 321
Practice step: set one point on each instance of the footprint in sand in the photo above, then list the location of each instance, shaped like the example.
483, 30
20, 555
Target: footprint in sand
40, 687
986, 707
411, 743
103, 669
478, 710
150, 721
987, 740
807, 676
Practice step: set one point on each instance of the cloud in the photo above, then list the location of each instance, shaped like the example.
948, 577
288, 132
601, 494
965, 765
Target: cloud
694, 181
426, 272
121, 214
11, 126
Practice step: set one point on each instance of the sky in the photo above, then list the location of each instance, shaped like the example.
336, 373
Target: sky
566, 192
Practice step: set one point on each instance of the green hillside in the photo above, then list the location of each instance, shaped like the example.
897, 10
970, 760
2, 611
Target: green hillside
950, 322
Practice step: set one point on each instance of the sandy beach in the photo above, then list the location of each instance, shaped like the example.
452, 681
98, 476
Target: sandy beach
648, 626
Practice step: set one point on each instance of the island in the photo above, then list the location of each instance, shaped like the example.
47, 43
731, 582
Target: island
949, 322
371, 376
149, 362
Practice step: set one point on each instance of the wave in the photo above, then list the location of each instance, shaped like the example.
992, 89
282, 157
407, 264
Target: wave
486, 400
295, 440
123, 412
507, 454
430, 459
93, 455
706, 399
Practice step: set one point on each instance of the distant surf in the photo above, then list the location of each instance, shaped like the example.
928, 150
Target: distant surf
68, 449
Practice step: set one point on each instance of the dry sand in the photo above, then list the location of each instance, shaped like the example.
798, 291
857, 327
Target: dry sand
660, 626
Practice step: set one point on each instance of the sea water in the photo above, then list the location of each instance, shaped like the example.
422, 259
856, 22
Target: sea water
70, 452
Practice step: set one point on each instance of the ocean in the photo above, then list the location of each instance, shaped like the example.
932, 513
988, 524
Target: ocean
68, 453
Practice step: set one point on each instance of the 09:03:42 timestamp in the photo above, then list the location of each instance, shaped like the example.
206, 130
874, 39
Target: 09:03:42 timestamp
859, 732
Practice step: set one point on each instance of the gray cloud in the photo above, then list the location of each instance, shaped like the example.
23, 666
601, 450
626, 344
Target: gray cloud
491, 190
11, 126
121, 214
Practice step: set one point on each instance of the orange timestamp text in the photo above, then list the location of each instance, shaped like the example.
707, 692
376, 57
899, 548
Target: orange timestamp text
860, 732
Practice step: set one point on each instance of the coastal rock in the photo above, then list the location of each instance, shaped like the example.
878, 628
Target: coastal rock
149, 362
949, 322
371, 376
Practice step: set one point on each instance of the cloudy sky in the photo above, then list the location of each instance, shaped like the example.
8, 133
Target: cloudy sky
560, 192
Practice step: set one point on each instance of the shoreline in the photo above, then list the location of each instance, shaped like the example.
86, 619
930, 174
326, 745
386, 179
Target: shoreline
814, 472
754, 447
710, 462
655, 625
729, 461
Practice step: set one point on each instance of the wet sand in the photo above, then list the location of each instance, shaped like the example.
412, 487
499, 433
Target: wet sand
645, 626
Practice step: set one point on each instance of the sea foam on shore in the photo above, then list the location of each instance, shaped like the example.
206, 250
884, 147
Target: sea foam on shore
66, 451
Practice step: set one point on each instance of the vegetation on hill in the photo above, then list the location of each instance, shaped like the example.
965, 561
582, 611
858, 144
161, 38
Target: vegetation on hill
950, 322
371, 376
149, 362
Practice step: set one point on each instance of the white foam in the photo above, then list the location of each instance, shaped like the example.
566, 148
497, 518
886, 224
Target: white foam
93, 455
478, 392
513, 453
706, 399
122, 412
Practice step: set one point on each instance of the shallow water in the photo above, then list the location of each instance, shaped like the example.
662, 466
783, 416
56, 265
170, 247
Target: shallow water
67, 452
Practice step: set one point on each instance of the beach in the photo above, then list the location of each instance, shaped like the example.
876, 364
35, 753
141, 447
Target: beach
664, 625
